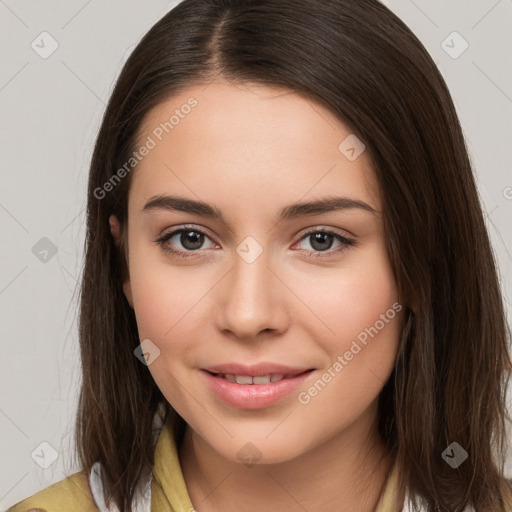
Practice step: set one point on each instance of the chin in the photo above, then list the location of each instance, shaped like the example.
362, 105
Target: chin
257, 450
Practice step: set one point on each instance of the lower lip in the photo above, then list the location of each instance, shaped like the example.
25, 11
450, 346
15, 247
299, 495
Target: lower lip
254, 396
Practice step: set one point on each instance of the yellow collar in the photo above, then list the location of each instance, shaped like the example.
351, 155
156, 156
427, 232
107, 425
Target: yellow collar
168, 489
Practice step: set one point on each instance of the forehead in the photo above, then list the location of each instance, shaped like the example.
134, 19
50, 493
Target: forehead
225, 139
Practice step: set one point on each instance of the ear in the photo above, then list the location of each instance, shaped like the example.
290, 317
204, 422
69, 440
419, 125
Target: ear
115, 230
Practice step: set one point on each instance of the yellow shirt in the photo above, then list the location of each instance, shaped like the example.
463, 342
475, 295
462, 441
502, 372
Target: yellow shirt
168, 490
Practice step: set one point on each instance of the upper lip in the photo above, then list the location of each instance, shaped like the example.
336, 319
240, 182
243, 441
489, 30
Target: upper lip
256, 370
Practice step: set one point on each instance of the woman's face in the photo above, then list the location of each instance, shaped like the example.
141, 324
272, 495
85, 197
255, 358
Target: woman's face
262, 291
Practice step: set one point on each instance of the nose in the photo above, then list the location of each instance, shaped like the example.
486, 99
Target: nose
252, 300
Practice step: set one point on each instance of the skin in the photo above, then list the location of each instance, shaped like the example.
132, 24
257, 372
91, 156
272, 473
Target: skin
251, 150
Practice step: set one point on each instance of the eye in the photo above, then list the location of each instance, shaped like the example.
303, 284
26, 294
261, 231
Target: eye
321, 240
191, 239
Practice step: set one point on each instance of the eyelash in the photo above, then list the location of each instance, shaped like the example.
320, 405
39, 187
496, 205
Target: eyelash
346, 242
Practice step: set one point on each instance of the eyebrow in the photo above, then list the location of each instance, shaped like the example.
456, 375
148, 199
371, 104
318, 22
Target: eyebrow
292, 211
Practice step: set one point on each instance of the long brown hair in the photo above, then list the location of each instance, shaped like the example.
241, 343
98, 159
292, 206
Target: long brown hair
359, 60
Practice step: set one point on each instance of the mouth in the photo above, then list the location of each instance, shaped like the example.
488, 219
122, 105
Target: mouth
257, 388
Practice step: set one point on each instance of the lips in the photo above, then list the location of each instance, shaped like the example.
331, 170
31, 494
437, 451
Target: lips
254, 386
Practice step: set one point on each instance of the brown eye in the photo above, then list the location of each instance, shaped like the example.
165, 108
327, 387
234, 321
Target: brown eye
183, 242
191, 240
322, 240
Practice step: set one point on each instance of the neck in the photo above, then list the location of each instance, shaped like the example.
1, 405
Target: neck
344, 473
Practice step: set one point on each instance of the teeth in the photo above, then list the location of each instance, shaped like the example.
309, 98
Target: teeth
264, 379
247, 379
243, 379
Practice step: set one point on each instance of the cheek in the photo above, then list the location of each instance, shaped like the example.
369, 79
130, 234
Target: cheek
166, 304
157, 303
163, 294
364, 316
358, 299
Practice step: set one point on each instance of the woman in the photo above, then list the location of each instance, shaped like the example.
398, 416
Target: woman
230, 361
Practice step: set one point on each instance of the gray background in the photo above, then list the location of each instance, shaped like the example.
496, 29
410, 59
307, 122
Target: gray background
51, 108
